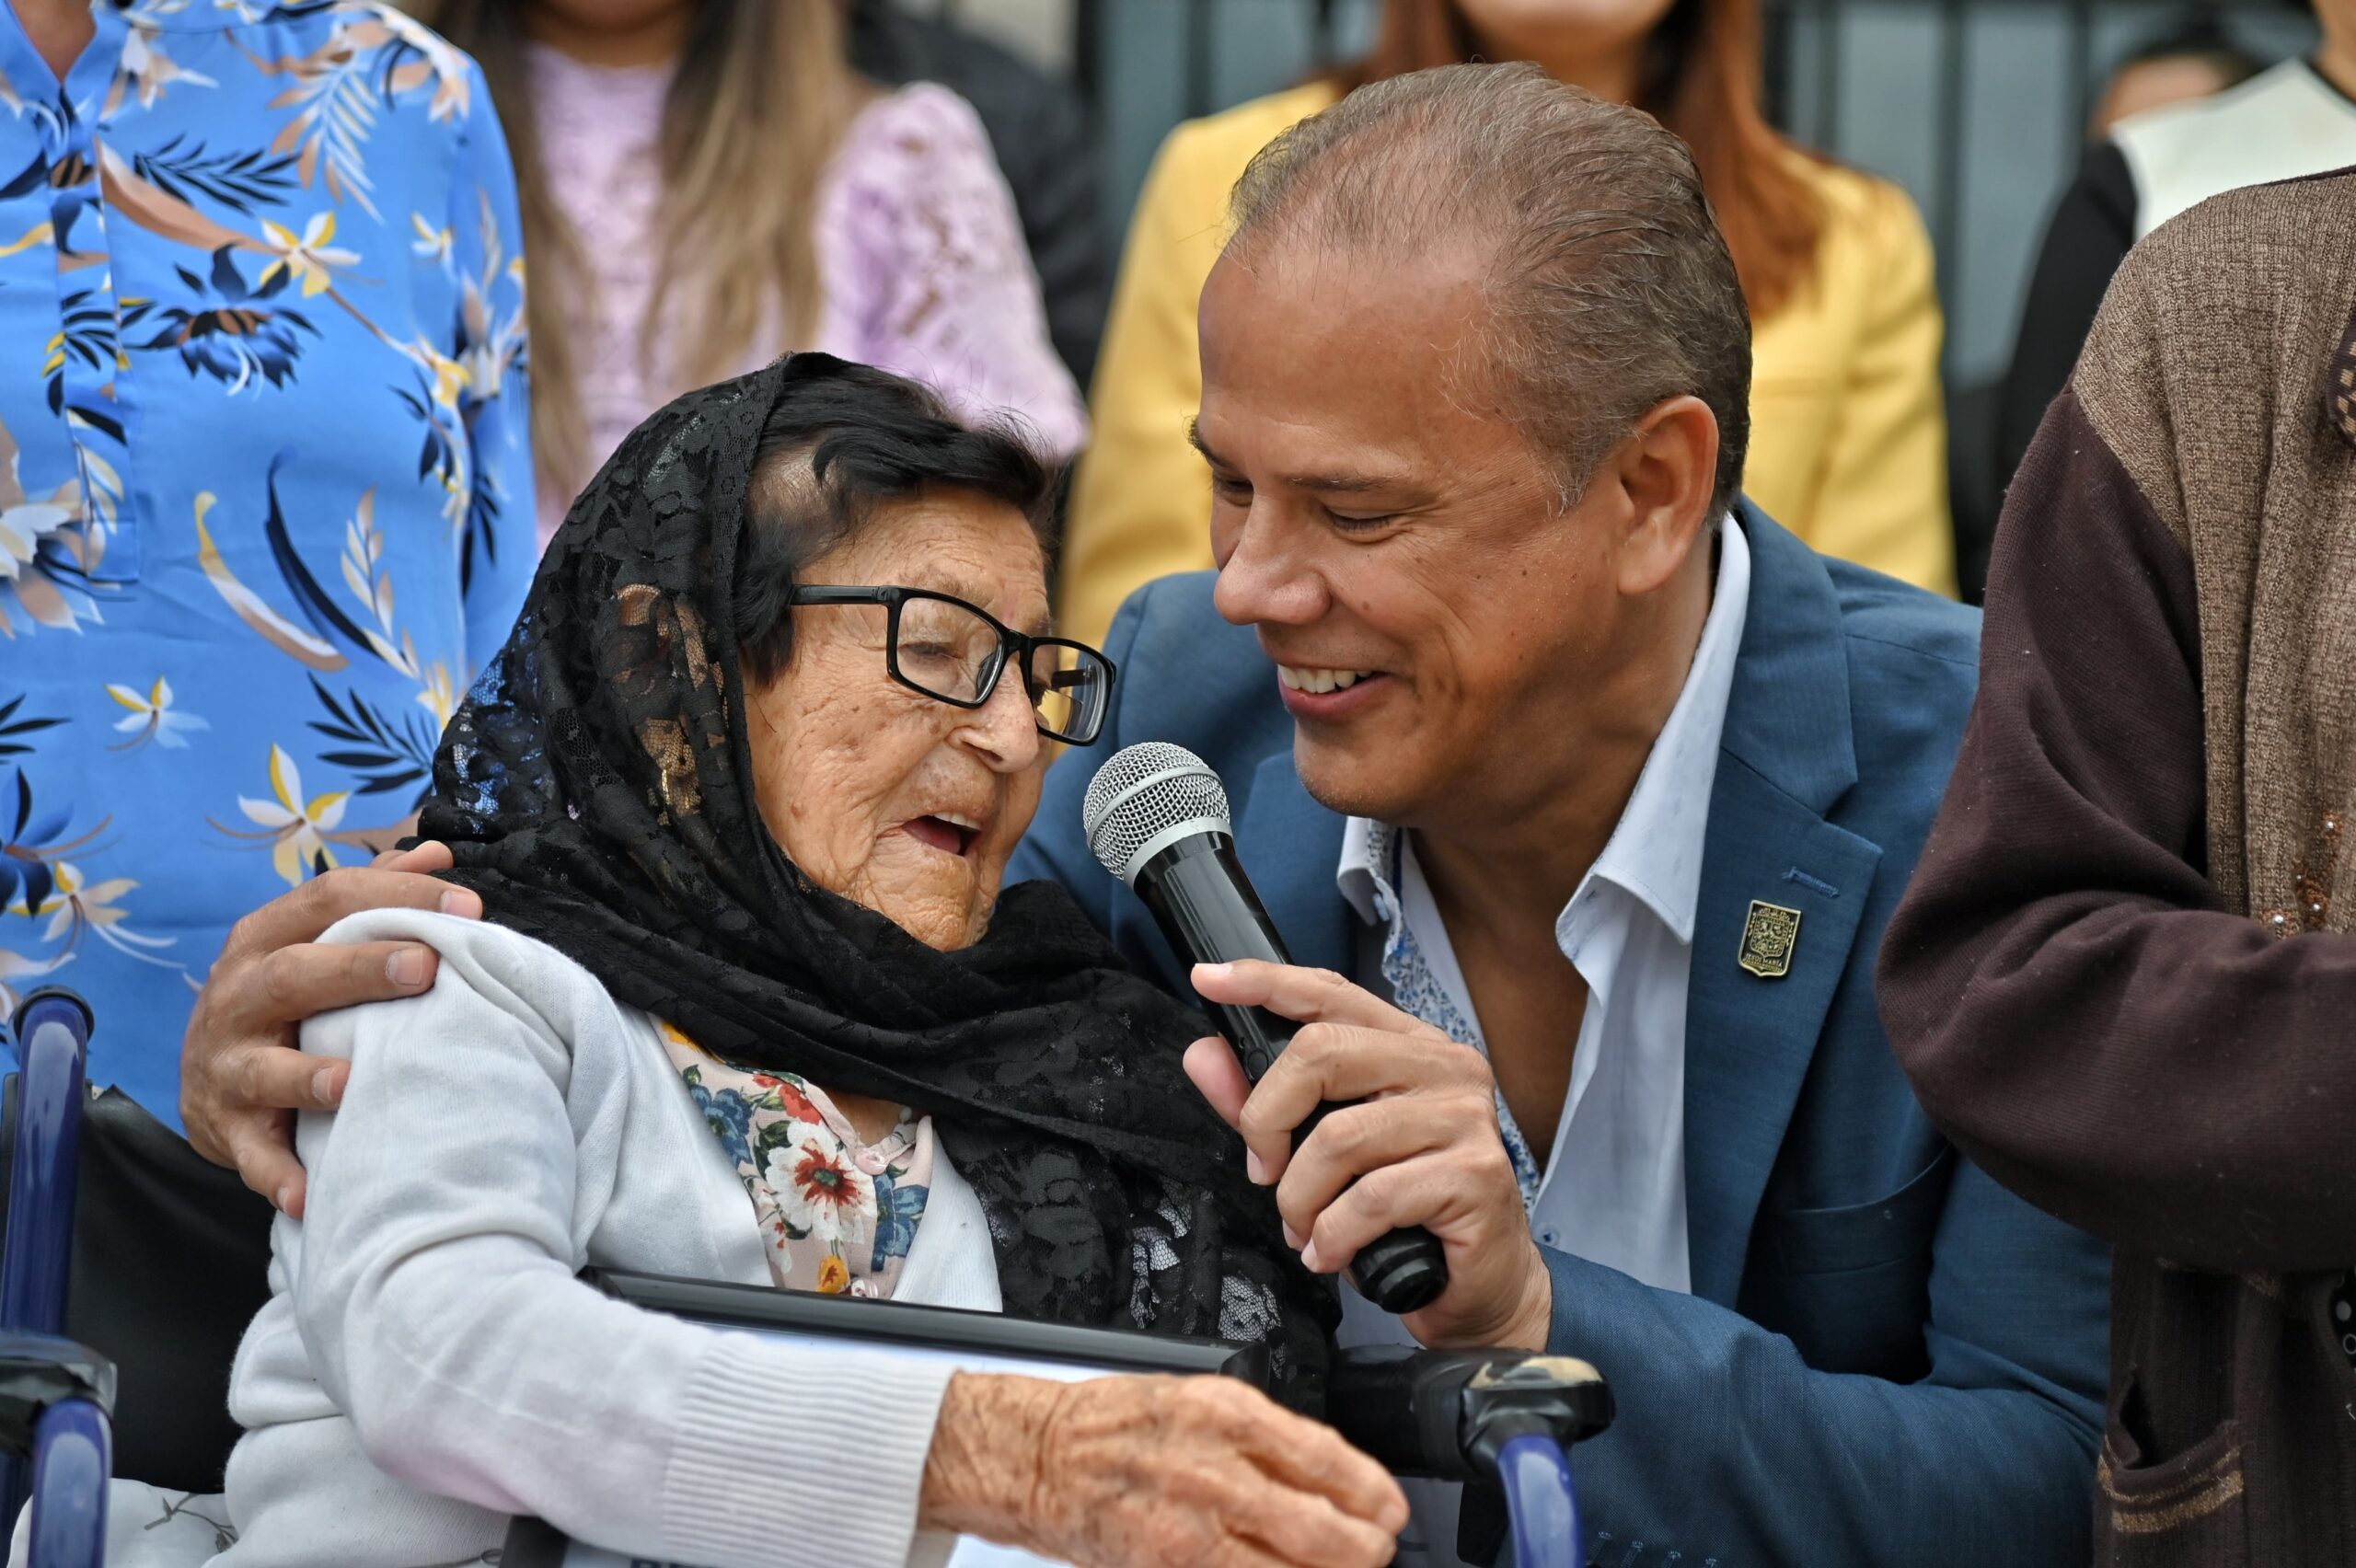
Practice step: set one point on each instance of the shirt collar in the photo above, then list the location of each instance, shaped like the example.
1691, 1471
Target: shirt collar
1365, 877
1655, 852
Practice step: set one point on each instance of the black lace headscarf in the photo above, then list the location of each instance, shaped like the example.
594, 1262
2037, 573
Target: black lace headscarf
597, 790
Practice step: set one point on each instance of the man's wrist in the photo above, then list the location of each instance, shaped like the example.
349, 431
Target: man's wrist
1534, 1326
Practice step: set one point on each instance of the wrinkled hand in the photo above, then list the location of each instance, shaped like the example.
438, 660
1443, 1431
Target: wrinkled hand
242, 1078
1155, 1472
1423, 1149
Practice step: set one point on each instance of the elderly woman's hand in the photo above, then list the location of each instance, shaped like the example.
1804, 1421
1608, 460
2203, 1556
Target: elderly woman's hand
1155, 1472
242, 1078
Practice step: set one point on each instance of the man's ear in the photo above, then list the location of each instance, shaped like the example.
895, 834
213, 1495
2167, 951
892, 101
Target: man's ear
1666, 468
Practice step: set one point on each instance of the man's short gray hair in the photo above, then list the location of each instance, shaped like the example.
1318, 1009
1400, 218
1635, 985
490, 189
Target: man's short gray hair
1611, 289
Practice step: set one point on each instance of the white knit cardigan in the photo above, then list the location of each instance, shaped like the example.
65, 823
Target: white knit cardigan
428, 1365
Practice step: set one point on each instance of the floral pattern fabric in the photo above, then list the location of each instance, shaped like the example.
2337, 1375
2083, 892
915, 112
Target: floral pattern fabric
265, 477
1415, 990
838, 1213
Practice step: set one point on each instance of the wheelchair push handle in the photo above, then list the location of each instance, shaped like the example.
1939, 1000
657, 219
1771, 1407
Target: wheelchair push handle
57, 1004
1446, 1414
1498, 1421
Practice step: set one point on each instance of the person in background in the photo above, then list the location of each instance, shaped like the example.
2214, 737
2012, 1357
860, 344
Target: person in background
2122, 976
267, 492
706, 183
2194, 60
2297, 118
1851, 445
1046, 141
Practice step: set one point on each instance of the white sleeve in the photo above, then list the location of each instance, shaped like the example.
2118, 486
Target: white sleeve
935, 244
435, 1293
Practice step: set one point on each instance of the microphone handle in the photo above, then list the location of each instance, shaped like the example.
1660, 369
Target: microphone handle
1207, 910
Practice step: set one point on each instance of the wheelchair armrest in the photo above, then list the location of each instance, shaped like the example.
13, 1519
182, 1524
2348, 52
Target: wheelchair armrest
52, 1030
55, 1397
1447, 1413
1496, 1420
73, 1459
37, 1371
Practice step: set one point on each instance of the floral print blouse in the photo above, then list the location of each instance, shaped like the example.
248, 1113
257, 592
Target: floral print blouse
839, 1212
266, 499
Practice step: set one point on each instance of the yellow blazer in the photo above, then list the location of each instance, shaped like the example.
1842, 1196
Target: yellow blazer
1848, 444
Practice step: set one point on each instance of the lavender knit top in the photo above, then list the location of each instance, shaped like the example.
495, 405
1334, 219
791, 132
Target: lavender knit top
920, 249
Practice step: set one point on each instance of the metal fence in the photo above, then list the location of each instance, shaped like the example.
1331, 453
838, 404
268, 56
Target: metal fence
1979, 108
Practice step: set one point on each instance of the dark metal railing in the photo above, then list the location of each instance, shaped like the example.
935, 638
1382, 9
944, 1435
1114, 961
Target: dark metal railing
1147, 63
1815, 116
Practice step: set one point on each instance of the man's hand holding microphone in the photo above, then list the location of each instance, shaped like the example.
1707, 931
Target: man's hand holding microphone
1414, 1143
1400, 1175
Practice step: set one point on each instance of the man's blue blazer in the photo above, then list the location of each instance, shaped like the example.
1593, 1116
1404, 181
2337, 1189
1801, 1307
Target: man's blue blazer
1885, 1360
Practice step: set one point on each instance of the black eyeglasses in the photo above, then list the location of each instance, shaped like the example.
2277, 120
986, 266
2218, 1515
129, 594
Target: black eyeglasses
954, 653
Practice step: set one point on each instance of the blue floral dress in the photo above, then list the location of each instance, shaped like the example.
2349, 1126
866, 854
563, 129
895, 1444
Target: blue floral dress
265, 476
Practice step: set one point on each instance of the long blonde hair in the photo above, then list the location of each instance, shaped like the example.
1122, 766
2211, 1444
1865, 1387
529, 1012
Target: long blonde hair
762, 94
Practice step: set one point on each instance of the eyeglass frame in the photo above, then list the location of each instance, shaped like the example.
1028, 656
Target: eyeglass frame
1012, 644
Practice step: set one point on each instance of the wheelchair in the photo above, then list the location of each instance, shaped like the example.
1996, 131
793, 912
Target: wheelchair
1499, 1422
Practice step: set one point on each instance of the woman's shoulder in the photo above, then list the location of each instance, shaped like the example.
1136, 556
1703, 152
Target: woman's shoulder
921, 124
406, 56
1864, 214
1180, 217
914, 178
1210, 154
347, 22
488, 965
914, 170
417, 81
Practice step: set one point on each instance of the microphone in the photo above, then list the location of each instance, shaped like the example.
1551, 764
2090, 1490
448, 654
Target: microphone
1157, 817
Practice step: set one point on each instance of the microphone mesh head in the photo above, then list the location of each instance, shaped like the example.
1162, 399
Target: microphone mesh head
1143, 791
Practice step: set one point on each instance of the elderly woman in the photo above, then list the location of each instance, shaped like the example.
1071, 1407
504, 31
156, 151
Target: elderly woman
748, 1005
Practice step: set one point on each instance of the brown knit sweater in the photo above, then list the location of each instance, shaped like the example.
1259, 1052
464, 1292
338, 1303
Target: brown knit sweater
2124, 978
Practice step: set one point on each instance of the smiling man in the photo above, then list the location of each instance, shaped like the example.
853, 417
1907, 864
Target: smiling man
1599, 787
1583, 792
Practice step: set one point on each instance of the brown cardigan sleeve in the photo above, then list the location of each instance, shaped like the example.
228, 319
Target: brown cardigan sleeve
2074, 1005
